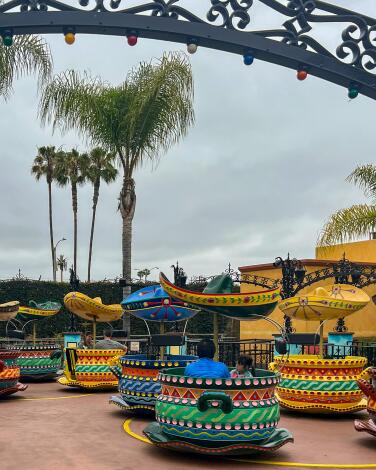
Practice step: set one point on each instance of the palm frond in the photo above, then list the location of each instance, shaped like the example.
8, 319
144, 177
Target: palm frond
162, 110
364, 176
348, 224
70, 100
29, 54
101, 166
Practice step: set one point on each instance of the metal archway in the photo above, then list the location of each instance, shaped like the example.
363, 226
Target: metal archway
219, 24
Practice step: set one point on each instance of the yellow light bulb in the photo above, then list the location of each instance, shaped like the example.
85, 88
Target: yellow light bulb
70, 38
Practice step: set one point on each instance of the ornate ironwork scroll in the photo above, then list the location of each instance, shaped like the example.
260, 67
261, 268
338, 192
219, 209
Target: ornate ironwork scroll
230, 25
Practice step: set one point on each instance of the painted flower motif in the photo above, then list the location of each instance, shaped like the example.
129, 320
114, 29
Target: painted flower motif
336, 290
246, 300
303, 301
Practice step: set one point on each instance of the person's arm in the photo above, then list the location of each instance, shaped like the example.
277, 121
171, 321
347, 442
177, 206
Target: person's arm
121, 346
233, 373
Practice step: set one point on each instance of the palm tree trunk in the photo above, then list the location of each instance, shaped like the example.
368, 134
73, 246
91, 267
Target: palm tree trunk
74, 206
51, 231
127, 208
95, 202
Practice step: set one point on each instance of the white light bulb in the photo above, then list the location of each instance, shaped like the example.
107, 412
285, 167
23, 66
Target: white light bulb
192, 48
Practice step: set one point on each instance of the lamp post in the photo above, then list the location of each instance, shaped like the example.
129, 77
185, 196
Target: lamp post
54, 266
293, 273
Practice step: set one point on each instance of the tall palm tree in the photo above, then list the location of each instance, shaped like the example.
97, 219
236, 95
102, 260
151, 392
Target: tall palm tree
358, 220
28, 54
100, 167
139, 120
44, 166
71, 168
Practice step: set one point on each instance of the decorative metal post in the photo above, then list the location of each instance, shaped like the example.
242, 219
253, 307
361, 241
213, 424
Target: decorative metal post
74, 285
293, 273
180, 278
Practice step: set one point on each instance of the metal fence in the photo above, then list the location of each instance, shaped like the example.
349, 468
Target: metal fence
260, 350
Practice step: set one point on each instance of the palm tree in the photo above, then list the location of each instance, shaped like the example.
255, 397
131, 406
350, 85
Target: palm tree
139, 120
358, 220
28, 54
44, 166
71, 168
100, 167
61, 263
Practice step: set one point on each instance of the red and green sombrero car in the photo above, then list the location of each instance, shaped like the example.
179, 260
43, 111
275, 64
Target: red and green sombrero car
218, 297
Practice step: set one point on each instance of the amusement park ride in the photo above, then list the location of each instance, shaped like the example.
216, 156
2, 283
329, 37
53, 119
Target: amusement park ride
222, 416
89, 368
9, 370
37, 360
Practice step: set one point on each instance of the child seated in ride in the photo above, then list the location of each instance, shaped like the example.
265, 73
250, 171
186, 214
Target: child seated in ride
244, 368
86, 341
205, 366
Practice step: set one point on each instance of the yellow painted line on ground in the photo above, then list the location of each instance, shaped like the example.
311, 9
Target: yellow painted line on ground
128, 430
306, 465
56, 398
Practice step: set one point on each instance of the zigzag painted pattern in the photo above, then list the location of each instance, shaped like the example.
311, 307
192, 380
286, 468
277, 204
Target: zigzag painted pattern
131, 399
137, 386
13, 373
318, 386
92, 368
218, 435
259, 415
36, 362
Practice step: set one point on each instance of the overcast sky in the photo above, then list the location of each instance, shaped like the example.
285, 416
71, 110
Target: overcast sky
256, 177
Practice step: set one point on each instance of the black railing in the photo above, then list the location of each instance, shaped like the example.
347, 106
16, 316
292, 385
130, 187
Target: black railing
262, 350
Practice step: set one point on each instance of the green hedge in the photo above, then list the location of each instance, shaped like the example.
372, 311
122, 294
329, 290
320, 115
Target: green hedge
111, 293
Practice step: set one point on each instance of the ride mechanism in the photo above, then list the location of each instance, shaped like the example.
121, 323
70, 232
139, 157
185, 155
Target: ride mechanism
227, 25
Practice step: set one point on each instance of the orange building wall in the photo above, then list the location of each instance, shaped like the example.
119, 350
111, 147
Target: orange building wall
362, 323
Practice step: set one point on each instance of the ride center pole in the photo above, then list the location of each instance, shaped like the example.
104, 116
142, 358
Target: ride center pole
94, 332
216, 335
321, 348
162, 330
